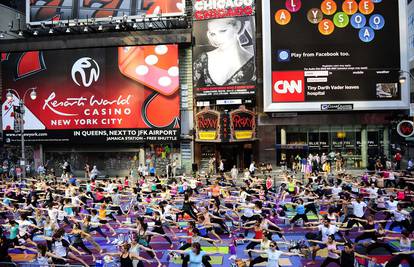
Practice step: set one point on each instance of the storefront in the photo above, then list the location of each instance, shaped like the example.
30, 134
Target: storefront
232, 154
344, 139
113, 161
225, 135
360, 137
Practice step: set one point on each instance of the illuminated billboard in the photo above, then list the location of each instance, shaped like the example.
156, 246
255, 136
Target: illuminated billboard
322, 55
99, 95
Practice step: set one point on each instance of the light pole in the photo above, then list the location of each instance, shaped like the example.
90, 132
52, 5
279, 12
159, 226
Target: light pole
10, 95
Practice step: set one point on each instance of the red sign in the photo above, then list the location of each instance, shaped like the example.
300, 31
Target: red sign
102, 88
214, 9
405, 128
288, 86
208, 125
243, 124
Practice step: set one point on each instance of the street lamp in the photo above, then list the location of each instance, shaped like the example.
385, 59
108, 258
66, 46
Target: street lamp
10, 95
402, 78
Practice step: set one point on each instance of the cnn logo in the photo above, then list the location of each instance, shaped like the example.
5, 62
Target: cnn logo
288, 86
284, 87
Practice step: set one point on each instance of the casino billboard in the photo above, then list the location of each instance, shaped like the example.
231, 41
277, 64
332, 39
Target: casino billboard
46, 11
100, 95
331, 53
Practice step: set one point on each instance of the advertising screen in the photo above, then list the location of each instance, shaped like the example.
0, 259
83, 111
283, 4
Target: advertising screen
330, 55
100, 95
45, 11
224, 62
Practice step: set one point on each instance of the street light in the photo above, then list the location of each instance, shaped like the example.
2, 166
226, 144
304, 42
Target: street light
33, 95
402, 78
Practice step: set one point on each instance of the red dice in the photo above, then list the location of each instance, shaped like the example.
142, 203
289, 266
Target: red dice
153, 66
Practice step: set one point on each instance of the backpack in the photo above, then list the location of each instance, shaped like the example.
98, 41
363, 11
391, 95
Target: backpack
397, 157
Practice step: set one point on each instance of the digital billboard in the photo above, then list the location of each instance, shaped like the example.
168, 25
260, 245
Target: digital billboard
100, 95
46, 11
322, 55
224, 62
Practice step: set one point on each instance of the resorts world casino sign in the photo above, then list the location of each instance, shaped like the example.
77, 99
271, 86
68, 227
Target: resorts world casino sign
100, 95
347, 51
213, 9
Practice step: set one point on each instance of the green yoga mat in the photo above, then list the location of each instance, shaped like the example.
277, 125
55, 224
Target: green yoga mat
310, 216
397, 244
222, 250
214, 260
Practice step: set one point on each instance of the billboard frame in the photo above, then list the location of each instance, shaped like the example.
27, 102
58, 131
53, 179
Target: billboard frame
269, 106
106, 19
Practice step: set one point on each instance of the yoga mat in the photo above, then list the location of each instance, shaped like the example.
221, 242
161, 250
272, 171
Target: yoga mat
322, 253
22, 257
182, 224
397, 244
223, 250
282, 262
310, 215
214, 260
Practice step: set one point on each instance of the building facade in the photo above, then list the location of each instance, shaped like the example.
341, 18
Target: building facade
249, 87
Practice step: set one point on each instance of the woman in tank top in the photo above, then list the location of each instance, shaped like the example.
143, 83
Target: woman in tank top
333, 252
405, 253
369, 231
270, 254
43, 256
126, 258
379, 240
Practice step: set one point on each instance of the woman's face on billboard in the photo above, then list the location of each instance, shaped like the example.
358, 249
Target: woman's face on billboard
222, 33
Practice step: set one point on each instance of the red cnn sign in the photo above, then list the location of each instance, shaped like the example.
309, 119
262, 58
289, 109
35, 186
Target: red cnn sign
288, 86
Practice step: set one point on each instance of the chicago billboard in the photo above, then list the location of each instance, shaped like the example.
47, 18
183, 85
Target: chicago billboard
46, 11
323, 53
100, 95
224, 62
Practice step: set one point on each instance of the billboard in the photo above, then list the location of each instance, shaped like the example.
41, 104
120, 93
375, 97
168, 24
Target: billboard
46, 11
215, 9
328, 53
99, 95
224, 62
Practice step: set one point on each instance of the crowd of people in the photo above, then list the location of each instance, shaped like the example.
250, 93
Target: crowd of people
257, 217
